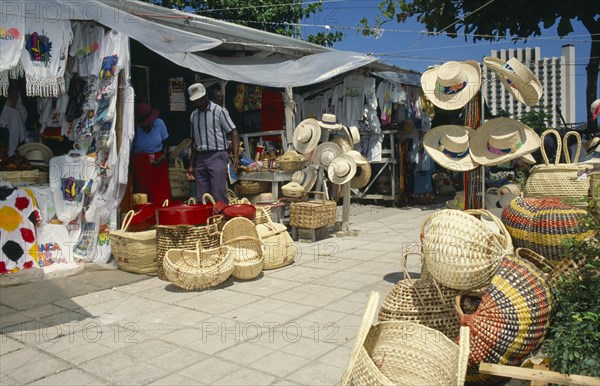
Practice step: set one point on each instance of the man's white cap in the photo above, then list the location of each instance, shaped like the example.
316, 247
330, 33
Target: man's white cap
196, 91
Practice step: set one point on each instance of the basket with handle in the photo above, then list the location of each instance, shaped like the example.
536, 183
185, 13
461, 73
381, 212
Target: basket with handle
180, 186
291, 161
134, 251
260, 217
185, 237
421, 301
279, 248
253, 187
460, 251
198, 268
404, 353
246, 246
559, 180
313, 214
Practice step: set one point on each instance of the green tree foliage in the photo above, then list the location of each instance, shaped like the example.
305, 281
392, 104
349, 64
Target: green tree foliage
277, 16
494, 20
537, 118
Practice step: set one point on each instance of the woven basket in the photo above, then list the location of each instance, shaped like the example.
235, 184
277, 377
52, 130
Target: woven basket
543, 225
291, 161
253, 187
420, 301
460, 251
559, 180
540, 262
313, 214
180, 186
185, 237
405, 353
260, 217
241, 236
513, 316
279, 248
571, 266
134, 251
199, 268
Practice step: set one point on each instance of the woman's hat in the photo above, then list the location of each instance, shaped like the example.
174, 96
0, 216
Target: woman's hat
503, 139
449, 145
183, 145
342, 169
363, 170
36, 153
145, 114
329, 121
307, 135
306, 177
453, 84
517, 78
326, 152
595, 108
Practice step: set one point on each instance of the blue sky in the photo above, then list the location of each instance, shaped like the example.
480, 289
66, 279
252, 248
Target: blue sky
403, 45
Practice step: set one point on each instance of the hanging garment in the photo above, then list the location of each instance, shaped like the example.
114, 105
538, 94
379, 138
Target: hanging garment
354, 99
114, 51
12, 119
327, 106
311, 108
52, 112
11, 45
87, 40
44, 58
272, 114
370, 112
384, 100
18, 216
93, 245
54, 245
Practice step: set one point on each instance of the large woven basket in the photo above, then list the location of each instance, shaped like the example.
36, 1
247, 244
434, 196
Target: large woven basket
405, 353
291, 161
421, 301
180, 186
134, 251
543, 225
313, 214
460, 251
261, 216
185, 237
559, 180
513, 316
253, 187
198, 268
279, 248
241, 236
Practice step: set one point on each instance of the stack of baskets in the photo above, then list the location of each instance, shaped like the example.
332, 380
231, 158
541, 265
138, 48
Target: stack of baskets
134, 251
240, 235
313, 214
180, 186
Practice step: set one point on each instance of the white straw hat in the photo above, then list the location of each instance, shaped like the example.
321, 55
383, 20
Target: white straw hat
342, 169
329, 121
36, 153
517, 78
453, 84
307, 135
306, 177
326, 152
363, 170
503, 139
449, 145
342, 142
353, 134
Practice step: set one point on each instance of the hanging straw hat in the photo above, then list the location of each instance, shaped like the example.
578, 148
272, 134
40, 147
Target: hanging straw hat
448, 145
453, 84
591, 145
353, 134
329, 121
37, 154
326, 152
342, 169
342, 142
307, 135
183, 145
503, 139
306, 177
363, 171
595, 108
517, 78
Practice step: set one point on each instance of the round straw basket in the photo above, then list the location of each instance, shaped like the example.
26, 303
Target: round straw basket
291, 161
513, 316
420, 301
253, 187
279, 248
460, 251
260, 217
185, 237
543, 225
134, 251
241, 236
405, 353
199, 268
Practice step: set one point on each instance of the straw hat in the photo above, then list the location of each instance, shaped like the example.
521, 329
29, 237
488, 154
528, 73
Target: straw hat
363, 171
453, 84
36, 153
448, 145
326, 152
591, 145
306, 177
183, 145
503, 139
329, 121
292, 189
353, 134
595, 108
342, 169
518, 79
343, 143
307, 135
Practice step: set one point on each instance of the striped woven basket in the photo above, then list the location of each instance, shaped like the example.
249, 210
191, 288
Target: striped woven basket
513, 316
543, 225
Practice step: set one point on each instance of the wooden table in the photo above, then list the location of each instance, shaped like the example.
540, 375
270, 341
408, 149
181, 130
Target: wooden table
274, 177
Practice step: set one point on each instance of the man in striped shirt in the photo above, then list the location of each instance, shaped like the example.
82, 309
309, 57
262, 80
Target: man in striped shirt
211, 128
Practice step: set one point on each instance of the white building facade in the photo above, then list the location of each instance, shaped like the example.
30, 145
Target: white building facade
557, 76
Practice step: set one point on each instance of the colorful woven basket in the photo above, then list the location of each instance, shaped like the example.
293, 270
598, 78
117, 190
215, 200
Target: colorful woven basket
543, 225
513, 316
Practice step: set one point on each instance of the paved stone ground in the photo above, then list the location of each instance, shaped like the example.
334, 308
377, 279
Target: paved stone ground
294, 325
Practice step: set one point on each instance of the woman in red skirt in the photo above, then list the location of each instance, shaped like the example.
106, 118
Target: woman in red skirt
150, 154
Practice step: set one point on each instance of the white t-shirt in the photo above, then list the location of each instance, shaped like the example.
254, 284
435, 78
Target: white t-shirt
114, 51
11, 40
87, 40
354, 93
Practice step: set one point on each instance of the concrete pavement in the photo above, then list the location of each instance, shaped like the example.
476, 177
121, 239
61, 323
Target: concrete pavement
294, 325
